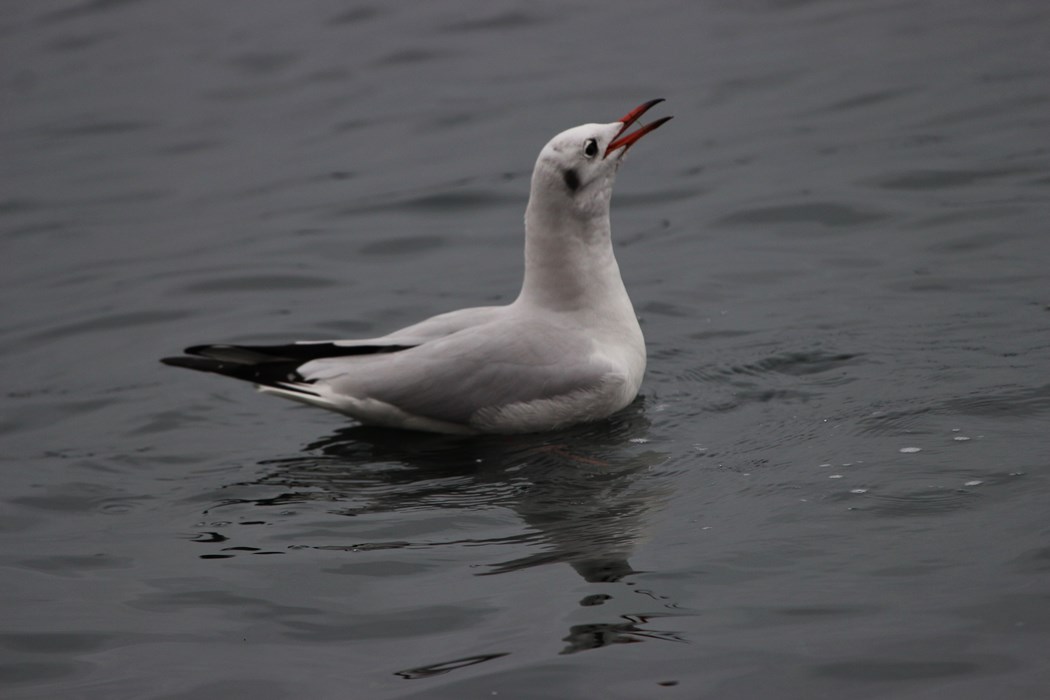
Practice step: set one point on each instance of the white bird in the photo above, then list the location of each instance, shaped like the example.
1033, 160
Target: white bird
567, 350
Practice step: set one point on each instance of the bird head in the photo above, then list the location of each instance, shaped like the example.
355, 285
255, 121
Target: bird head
577, 167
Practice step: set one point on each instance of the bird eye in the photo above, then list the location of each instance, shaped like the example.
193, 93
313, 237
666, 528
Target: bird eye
590, 148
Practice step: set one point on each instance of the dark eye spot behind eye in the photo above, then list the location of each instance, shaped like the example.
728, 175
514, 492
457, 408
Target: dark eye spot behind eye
572, 180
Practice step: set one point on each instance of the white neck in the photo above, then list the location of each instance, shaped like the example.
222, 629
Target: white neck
570, 265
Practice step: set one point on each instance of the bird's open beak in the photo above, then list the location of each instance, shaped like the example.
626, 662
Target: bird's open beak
625, 142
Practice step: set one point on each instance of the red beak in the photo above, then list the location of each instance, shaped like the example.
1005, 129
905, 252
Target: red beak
625, 142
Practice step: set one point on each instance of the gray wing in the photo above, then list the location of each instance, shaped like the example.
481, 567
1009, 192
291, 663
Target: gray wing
453, 377
449, 323
429, 329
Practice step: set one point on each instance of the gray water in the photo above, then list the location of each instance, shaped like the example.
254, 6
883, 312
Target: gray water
835, 483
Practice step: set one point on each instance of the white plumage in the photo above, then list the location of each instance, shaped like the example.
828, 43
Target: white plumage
568, 349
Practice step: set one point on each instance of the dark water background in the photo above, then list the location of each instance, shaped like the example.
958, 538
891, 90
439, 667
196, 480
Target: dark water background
835, 484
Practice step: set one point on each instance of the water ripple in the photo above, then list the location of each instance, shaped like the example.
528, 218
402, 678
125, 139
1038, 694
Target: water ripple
433, 203
504, 21
924, 179
258, 282
830, 214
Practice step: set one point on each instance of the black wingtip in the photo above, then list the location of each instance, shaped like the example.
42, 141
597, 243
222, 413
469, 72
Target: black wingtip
180, 361
280, 374
300, 352
201, 350
206, 364
269, 365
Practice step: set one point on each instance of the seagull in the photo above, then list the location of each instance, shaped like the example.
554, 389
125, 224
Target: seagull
567, 350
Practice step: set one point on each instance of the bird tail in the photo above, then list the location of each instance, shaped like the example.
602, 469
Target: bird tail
273, 368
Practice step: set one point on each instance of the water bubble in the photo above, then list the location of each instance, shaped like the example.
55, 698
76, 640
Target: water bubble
858, 490
960, 438
910, 450
973, 482
835, 476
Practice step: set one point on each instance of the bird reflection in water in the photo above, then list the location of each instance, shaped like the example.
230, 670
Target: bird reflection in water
584, 495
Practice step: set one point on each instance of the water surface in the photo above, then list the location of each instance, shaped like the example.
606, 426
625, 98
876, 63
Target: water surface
834, 483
